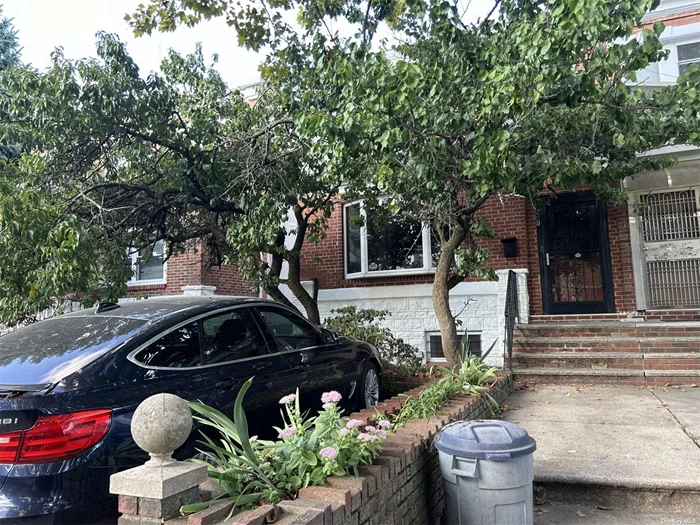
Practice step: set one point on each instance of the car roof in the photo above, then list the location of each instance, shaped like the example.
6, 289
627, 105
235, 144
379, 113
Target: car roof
163, 307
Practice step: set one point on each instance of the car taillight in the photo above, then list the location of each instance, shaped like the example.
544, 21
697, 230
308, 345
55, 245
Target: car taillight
55, 437
9, 445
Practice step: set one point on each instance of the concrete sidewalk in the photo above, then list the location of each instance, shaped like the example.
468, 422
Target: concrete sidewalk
612, 439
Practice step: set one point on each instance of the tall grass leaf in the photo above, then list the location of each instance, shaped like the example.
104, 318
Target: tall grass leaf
241, 423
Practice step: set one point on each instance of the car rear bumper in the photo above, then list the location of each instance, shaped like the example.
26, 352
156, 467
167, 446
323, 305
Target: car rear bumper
64, 492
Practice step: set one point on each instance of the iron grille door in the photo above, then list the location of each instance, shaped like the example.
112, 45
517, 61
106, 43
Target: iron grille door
575, 256
670, 234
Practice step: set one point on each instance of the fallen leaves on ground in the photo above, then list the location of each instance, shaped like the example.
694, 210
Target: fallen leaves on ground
603, 507
580, 513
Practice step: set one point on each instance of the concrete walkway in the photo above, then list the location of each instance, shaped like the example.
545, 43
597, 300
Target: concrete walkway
632, 438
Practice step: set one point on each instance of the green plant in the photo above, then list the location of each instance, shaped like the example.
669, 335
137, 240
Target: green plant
398, 357
309, 450
468, 378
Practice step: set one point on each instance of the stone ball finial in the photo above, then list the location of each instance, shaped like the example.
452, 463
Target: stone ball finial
160, 424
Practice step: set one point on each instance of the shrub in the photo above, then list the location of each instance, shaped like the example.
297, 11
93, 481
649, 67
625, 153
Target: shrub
309, 450
363, 324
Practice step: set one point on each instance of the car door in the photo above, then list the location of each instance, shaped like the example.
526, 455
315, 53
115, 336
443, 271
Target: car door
322, 365
167, 363
235, 350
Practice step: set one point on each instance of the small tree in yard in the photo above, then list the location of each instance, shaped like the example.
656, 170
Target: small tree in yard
112, 160
536, 96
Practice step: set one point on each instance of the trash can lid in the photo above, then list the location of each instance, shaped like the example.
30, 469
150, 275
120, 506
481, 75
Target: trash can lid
485, 439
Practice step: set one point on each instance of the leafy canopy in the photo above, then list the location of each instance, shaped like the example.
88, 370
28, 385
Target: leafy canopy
113, 160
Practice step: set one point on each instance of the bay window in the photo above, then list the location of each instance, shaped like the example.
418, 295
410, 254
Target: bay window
379, 242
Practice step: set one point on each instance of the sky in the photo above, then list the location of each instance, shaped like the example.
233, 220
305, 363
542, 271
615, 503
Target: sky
72, 24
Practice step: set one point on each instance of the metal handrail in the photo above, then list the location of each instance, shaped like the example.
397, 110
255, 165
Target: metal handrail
511, 314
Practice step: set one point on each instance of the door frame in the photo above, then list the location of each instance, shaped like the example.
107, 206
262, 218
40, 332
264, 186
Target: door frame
607, 305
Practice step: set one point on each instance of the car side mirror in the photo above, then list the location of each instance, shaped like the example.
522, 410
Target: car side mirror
329, 336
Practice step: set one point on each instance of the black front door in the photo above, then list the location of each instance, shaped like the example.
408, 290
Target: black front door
575, 255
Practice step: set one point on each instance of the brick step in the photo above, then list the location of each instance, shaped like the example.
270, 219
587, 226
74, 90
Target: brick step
615, 376
608, 360
610, 328
606, 344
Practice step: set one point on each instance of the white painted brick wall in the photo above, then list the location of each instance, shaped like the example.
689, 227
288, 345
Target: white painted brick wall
479, 305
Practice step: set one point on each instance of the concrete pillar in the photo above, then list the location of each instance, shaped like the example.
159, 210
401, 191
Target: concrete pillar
154, 492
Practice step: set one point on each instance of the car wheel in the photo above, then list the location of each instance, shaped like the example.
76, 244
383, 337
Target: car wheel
369, 387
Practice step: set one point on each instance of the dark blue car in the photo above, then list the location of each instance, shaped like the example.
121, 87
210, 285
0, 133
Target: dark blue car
69, 386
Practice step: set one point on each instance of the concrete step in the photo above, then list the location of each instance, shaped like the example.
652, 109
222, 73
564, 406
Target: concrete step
605, 376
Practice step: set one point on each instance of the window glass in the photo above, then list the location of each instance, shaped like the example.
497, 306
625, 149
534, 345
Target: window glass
435, 350
353, 228
177, 349
687, 54
232, 336
393, 242
292, 332
151, 268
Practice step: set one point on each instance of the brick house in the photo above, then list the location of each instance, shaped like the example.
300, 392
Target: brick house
605, 292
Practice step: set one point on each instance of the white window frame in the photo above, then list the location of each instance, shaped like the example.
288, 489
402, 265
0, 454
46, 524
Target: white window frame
680, 63
135, 256
428, 335
365, 271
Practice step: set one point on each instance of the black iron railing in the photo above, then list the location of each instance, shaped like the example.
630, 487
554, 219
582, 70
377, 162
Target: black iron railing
511, 316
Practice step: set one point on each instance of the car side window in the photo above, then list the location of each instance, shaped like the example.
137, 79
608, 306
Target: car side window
232, 336
177, 349
292, 332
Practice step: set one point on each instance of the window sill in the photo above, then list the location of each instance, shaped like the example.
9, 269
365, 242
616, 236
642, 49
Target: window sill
145, 284
389, 273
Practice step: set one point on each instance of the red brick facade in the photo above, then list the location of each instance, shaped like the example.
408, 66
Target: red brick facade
194, 268
512, 217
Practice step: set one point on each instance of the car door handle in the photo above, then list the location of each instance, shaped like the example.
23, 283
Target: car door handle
226, 384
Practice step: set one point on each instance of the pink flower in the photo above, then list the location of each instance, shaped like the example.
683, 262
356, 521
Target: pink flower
328, 452
331, 397
363, 436
344, 431
381, 434
370, 428
288, 399
326, 406
287, 432
384, 424
253, 439
354, 423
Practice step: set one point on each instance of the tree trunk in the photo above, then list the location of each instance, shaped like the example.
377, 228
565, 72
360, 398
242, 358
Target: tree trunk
294, 282
441, 296
308, 301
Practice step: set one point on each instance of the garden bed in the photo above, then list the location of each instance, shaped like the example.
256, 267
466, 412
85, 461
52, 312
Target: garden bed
402, 486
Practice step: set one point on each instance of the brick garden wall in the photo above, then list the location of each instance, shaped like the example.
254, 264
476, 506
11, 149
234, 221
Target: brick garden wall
402, 486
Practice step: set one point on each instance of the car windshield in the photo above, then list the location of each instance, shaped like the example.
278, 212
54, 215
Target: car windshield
48, 351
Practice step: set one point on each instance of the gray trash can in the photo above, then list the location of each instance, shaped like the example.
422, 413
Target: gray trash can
487, 473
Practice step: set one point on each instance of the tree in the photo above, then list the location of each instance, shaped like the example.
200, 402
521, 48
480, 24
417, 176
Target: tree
9, 45
113, 162
9, 57
537, 96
